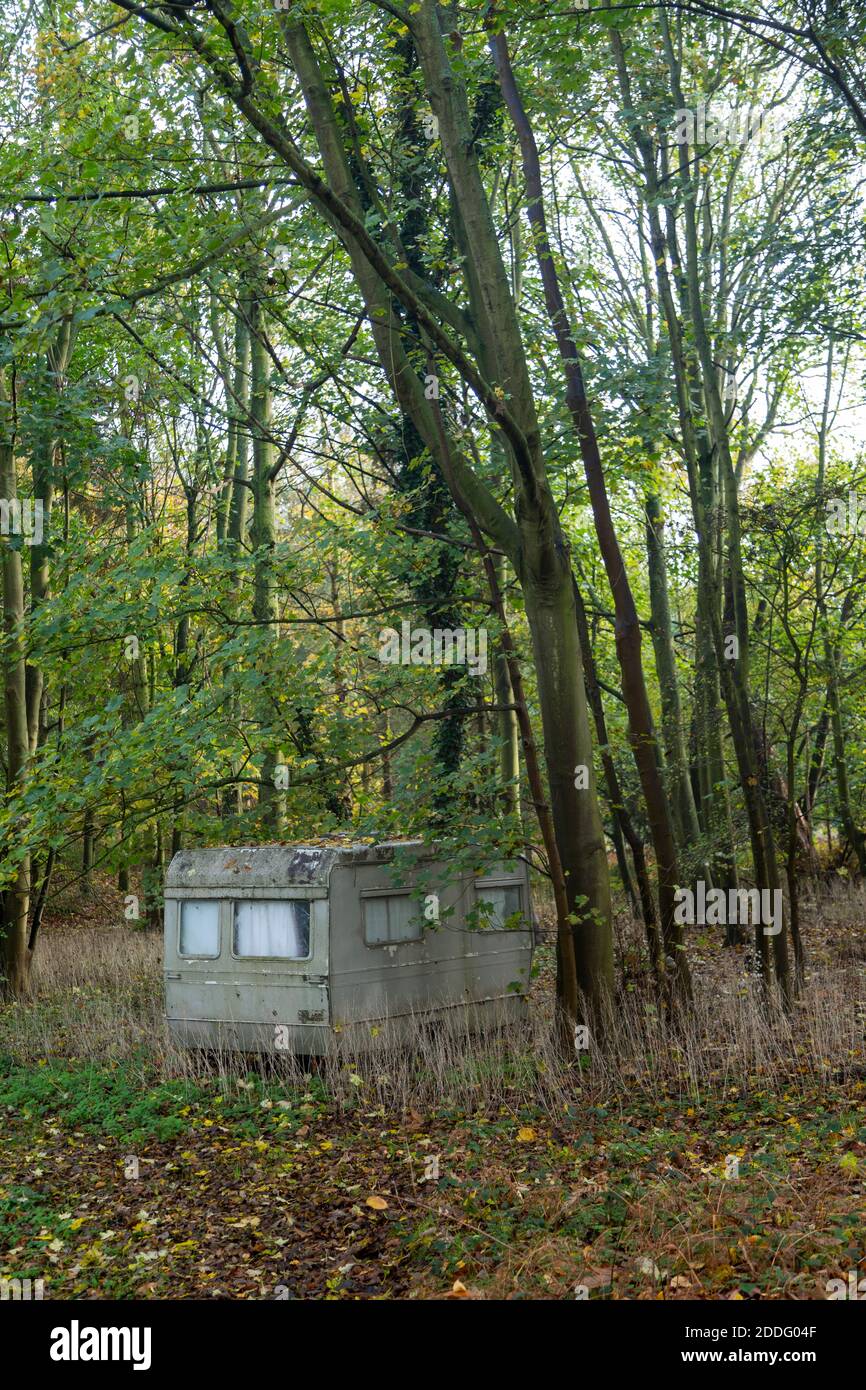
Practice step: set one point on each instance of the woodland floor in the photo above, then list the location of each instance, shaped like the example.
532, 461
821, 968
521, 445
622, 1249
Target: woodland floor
261, 1187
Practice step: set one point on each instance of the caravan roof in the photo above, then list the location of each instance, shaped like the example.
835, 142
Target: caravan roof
275, 865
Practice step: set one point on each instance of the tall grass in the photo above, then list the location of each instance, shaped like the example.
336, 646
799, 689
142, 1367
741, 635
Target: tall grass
98, 995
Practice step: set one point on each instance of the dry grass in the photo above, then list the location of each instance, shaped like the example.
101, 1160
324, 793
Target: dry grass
98, 996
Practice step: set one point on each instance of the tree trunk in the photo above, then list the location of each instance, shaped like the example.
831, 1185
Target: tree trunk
669, 687
616, 797
272, 799
16, 897
627, 630
534, 545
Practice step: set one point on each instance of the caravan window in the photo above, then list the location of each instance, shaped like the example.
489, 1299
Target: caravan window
392, 917
499, 906
199, 928
272, 929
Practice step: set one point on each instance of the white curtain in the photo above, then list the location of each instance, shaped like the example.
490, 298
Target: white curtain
199, 928
396, 917
272, 929
497, 905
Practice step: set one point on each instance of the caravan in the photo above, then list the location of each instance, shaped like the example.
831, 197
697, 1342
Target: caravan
276, 948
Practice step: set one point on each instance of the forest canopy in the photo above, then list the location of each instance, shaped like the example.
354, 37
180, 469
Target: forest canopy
437, 421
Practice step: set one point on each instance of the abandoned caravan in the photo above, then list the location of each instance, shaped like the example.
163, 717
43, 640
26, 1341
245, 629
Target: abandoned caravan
280, 947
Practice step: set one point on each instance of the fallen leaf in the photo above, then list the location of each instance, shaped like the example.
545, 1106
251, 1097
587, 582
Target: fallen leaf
458, 1290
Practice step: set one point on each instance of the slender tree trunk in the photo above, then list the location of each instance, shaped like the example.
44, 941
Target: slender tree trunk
87, 847
236, 494
56, 363
568, 945
183, 663
509, 731
715, 797
263, 535
628, 639
816, 760
852, 830
616, 798
239, 492
734, 662
571, 779
140, 702
793, 843
16, 898
833, 706
663, 644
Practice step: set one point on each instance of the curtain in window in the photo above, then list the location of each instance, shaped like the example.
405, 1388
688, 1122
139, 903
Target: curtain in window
272, 929
376, 920
497, 905
393, 918
199, 928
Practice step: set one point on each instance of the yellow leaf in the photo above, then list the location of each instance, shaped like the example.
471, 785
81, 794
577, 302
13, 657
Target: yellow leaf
525, 1135
377, 1203
458, 1290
